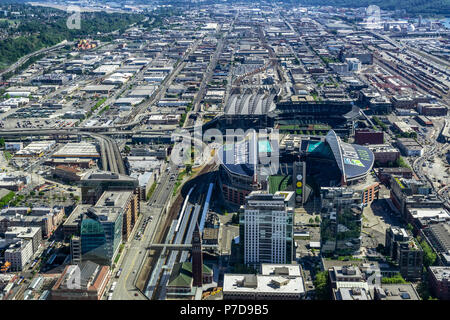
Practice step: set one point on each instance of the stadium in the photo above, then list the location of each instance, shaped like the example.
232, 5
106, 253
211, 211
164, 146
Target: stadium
353, 161
329, 162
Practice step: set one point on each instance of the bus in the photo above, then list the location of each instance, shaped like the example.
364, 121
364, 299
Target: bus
20, 280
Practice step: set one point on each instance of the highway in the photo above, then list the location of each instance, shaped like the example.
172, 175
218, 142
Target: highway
24, 59
208, 75
110, 153
136, 251
180, 232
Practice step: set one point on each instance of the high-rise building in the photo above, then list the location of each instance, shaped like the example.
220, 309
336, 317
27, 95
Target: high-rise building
267, 227
410, 259
19, 253
394, 235
125, 201
101, 234
341, 213
405, 252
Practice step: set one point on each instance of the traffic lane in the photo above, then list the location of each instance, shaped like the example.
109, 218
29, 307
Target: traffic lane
137, 253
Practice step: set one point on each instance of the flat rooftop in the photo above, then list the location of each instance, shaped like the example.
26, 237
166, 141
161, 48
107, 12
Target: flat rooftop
114, 199
441, 273
77, 150
263, 284
429, 213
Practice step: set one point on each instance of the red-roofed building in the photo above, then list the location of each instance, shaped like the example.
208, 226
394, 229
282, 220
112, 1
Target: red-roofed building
84, 281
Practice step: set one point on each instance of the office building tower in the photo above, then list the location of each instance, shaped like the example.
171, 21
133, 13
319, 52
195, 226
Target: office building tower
266, 227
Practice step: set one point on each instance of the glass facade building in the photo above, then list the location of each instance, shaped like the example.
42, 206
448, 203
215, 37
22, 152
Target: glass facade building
101, 235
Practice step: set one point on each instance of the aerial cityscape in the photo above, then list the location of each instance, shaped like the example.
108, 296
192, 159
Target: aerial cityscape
224, 150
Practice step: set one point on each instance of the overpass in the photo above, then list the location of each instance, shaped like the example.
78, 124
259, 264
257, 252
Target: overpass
180, 247
111, 157
24, 59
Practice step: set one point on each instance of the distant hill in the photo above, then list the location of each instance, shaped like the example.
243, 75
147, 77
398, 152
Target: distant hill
416, 7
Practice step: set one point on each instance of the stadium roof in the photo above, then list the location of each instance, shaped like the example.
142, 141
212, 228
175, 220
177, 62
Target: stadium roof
242, 157
354, 161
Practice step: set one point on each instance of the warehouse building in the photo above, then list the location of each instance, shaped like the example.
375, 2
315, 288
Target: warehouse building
78, 150
410, 147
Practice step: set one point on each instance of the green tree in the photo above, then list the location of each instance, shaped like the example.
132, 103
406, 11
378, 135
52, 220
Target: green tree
429, 257
393, 280
322, 285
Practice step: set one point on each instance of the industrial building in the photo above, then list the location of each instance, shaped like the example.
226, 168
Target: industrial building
78, 150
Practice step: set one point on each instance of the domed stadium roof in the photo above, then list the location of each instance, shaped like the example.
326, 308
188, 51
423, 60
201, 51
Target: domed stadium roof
354, 161
243, 157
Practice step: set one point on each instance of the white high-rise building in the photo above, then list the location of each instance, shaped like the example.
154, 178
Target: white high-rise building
267, 224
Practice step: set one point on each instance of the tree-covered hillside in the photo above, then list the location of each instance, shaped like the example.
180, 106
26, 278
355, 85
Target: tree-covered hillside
37, 27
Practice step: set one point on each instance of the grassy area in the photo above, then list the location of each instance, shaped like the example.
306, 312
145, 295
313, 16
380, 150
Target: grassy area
183, 119
6, 199
152, 189
98, 104
315, 96
184, 115
119, 253
393, 280
180, 178
328, 60
379, 123
402, 163
345, 258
